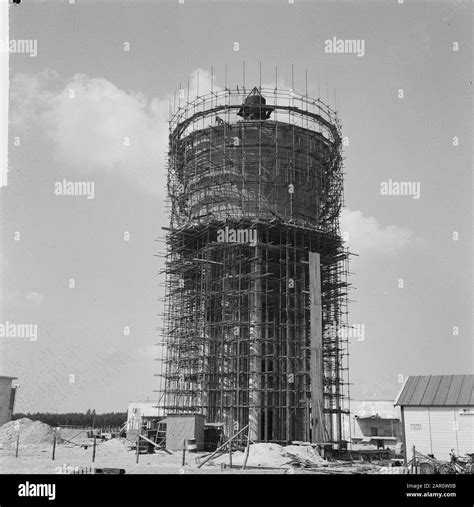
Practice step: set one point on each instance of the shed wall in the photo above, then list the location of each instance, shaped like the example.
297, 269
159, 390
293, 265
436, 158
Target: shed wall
465, 430
440, 430
5, 400
179, 429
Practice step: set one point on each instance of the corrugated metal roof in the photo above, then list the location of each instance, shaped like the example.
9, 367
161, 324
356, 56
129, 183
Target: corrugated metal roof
437, 390
466, 396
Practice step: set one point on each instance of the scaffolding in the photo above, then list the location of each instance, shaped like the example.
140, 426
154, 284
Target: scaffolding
255, 184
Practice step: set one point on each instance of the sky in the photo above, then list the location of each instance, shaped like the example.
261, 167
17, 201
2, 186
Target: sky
87, 272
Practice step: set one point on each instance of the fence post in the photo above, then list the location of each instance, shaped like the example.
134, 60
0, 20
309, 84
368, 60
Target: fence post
93, 449
17, 444
54, 445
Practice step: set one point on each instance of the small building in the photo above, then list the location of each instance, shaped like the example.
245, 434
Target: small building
143, 414
7, 399
375, 423
438, 414
183, 427
379, 431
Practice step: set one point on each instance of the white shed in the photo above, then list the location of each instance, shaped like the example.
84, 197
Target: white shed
438, 414
140, 411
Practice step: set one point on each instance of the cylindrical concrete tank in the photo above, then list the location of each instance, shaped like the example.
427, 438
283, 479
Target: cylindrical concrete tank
259, 169
256, 170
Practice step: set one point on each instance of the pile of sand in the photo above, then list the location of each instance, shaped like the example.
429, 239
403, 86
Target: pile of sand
270, 455
32, 433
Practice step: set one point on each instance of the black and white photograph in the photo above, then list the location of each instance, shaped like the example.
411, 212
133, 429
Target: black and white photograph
236, 252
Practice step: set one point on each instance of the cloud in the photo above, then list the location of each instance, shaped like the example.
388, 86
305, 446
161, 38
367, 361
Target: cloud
105, 128
366, 236
30, 97
95, 126
201, 82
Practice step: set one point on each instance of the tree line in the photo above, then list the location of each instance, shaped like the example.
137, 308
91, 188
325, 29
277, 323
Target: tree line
87, 419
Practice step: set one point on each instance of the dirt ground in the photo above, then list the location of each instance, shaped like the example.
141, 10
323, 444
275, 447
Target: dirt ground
116, 453
74, 452
39, 461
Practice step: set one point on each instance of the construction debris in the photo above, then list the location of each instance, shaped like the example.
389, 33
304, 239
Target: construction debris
271, 455
304, 457
299, 461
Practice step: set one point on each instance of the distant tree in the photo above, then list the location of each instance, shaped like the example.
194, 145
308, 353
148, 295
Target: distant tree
87, 419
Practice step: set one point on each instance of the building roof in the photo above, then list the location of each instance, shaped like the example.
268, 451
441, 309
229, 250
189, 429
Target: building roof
376, 417
367, 408
7, 377
437, 390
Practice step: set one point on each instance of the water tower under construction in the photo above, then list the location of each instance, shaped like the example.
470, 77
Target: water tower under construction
256, 269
